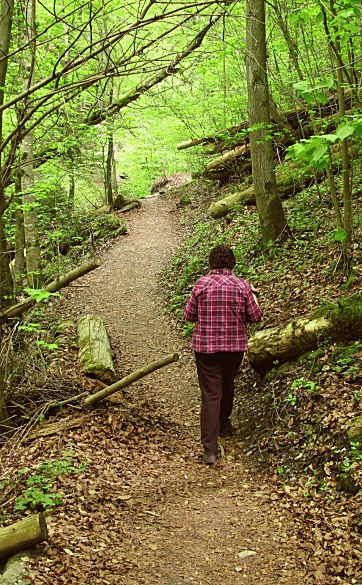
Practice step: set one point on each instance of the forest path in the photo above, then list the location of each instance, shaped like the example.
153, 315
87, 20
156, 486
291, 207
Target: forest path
147, 511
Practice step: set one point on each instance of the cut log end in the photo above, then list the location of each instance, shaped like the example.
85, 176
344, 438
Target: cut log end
22, 535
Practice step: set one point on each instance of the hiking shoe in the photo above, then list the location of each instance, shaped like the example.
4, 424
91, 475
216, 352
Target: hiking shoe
227, 429
209, 458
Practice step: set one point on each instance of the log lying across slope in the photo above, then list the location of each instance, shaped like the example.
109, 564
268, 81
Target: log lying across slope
338, 321
55, 285
297, 121
289, 179
137, 375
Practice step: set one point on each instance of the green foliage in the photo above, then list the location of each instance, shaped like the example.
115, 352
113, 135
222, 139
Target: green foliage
314, 150
40, 295
38, 492
308, 385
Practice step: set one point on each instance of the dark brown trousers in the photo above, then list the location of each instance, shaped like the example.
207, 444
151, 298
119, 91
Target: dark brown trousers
216, 373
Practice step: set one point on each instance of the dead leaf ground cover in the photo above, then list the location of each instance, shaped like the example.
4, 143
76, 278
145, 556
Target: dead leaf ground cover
144, 510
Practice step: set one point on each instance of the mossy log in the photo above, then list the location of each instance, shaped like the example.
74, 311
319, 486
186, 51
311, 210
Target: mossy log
131, 378
94, 348
19, 308
338, 321
22, 535
290, 180
227, 157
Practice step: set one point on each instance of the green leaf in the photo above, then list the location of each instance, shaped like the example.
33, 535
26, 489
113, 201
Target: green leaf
345, 130
340, 235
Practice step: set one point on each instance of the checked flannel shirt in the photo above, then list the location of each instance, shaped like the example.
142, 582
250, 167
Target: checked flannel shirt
220, 304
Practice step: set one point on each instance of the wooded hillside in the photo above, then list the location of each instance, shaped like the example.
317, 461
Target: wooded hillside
133, 139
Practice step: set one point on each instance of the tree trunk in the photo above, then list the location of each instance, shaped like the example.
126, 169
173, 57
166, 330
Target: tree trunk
271, 215
109, 174
291, 44
6, 15
131, 378
27, 157
95, 352
3, 410
5, 276
335, 321
55, 285
19, 264
22, 534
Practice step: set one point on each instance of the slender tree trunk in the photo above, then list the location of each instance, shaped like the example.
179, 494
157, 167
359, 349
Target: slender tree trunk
291, 44
341, 73
27, 157
5, 277
68, 128
6, 14
109, 166
20, 264
30, 215
268, 202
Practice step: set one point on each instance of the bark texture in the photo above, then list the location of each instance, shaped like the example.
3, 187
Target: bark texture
22, 534
271, 215
95, 352
277, 345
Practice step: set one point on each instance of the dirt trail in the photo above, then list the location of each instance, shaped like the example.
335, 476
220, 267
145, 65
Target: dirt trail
168, 519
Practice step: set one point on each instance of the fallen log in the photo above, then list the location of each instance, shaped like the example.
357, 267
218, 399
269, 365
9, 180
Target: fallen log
22, 535
340, 321
54, 286
173, 357
95, 352
290, 179
227, 157
61, 425
296, 120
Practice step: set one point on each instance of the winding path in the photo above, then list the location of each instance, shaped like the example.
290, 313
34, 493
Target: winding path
179, 522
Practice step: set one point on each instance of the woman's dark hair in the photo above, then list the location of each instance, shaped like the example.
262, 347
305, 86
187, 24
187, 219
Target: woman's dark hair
222, 257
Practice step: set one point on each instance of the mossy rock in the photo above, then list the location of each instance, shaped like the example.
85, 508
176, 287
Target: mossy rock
345, 314
109, 223
354, 431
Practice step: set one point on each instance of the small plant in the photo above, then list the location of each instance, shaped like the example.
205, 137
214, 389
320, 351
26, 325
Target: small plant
38, 494
308, 385
40, 294
291, 398
45, 345
188, 329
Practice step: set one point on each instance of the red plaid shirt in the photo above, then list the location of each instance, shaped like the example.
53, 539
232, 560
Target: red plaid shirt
220, 304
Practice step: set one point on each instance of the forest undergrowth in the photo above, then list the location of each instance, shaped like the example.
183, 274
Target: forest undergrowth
293, 422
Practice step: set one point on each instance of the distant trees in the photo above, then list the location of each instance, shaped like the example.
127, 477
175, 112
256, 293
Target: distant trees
68, 41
